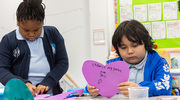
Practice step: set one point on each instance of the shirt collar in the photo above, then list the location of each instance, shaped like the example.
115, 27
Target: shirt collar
20, 37
141, 64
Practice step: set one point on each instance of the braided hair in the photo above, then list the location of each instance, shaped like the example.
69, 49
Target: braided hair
30, 10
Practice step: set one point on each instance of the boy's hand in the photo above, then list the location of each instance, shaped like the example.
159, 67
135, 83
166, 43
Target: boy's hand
41, 89
32, 88
123, 87
92, 90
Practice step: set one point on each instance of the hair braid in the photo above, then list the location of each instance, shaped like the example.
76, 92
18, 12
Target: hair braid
30, 10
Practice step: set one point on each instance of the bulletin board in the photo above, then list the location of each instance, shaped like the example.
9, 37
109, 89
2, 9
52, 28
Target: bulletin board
162, 42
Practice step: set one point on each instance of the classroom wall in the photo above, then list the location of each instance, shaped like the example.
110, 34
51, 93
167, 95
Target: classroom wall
71, 17
76, 20
101, 18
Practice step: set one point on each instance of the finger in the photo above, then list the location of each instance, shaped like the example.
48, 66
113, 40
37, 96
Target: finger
42, 90
124, 91
47, 88
124, 84
95, 94
94, 90
33, 93
34, 88
39, 87
39, 90
126, 94
123, 88
91, 87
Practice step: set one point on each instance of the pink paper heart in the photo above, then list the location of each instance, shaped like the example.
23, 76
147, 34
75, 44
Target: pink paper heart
106, 77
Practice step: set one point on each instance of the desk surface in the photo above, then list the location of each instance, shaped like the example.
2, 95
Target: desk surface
119, 97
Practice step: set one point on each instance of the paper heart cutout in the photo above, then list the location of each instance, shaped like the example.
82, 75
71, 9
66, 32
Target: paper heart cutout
105, 77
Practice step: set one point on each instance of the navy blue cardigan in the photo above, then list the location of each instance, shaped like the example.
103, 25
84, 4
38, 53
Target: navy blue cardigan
15, 58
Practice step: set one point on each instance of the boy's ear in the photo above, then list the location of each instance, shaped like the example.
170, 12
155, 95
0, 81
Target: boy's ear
17, 23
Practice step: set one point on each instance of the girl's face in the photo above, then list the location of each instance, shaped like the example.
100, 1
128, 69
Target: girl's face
30, 29
132, 53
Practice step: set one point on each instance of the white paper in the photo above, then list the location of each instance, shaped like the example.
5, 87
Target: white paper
126, 13
169, 10
140, 12
148, 27
125, 2
1, 90
173, 29
98, 37
158, 30
154, 11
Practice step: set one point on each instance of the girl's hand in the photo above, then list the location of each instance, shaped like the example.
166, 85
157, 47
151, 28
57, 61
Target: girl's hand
32, 88
41, 89
92, 90
123, 87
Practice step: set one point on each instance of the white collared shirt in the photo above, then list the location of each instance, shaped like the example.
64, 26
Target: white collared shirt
39, 65
136, 72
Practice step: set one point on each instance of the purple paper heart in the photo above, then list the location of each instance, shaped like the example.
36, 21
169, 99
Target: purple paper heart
106, 77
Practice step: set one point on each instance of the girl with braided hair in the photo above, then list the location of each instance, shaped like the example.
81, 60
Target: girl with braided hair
33, 53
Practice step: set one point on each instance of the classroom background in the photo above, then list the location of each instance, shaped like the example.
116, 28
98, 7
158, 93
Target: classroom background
87, 27
76, 20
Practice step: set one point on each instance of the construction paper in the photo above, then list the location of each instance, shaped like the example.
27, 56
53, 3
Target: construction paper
16, 89
106, 77
59, 96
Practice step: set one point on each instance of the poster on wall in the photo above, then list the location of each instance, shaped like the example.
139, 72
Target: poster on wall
169, 10
140, 12
173, 28
126, 13
158, 30
154, 11
148, 27
166, 34
125, 2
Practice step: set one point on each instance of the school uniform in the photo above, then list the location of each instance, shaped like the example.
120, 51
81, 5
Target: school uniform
15, 58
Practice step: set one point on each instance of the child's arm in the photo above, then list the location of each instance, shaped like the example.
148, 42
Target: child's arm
161, 83
59, 59
6, 61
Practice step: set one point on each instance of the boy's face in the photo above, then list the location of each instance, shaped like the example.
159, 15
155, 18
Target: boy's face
30, 29
132, 53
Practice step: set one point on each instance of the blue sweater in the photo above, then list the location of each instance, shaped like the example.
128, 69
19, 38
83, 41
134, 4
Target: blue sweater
156, 75
15, 58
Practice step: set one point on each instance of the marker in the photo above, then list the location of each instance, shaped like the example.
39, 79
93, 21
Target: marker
76, 95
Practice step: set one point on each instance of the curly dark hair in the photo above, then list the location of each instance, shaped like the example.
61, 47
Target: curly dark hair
135, 32
30, 10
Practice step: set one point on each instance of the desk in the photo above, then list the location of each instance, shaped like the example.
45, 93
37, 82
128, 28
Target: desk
118, 97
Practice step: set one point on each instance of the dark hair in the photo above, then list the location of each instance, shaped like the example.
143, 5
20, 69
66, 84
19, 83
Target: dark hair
135, 32
30, 10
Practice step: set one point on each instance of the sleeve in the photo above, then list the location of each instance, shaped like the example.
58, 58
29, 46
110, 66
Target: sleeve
161, 80
86, 89
113, 60
6, 58
60, 65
